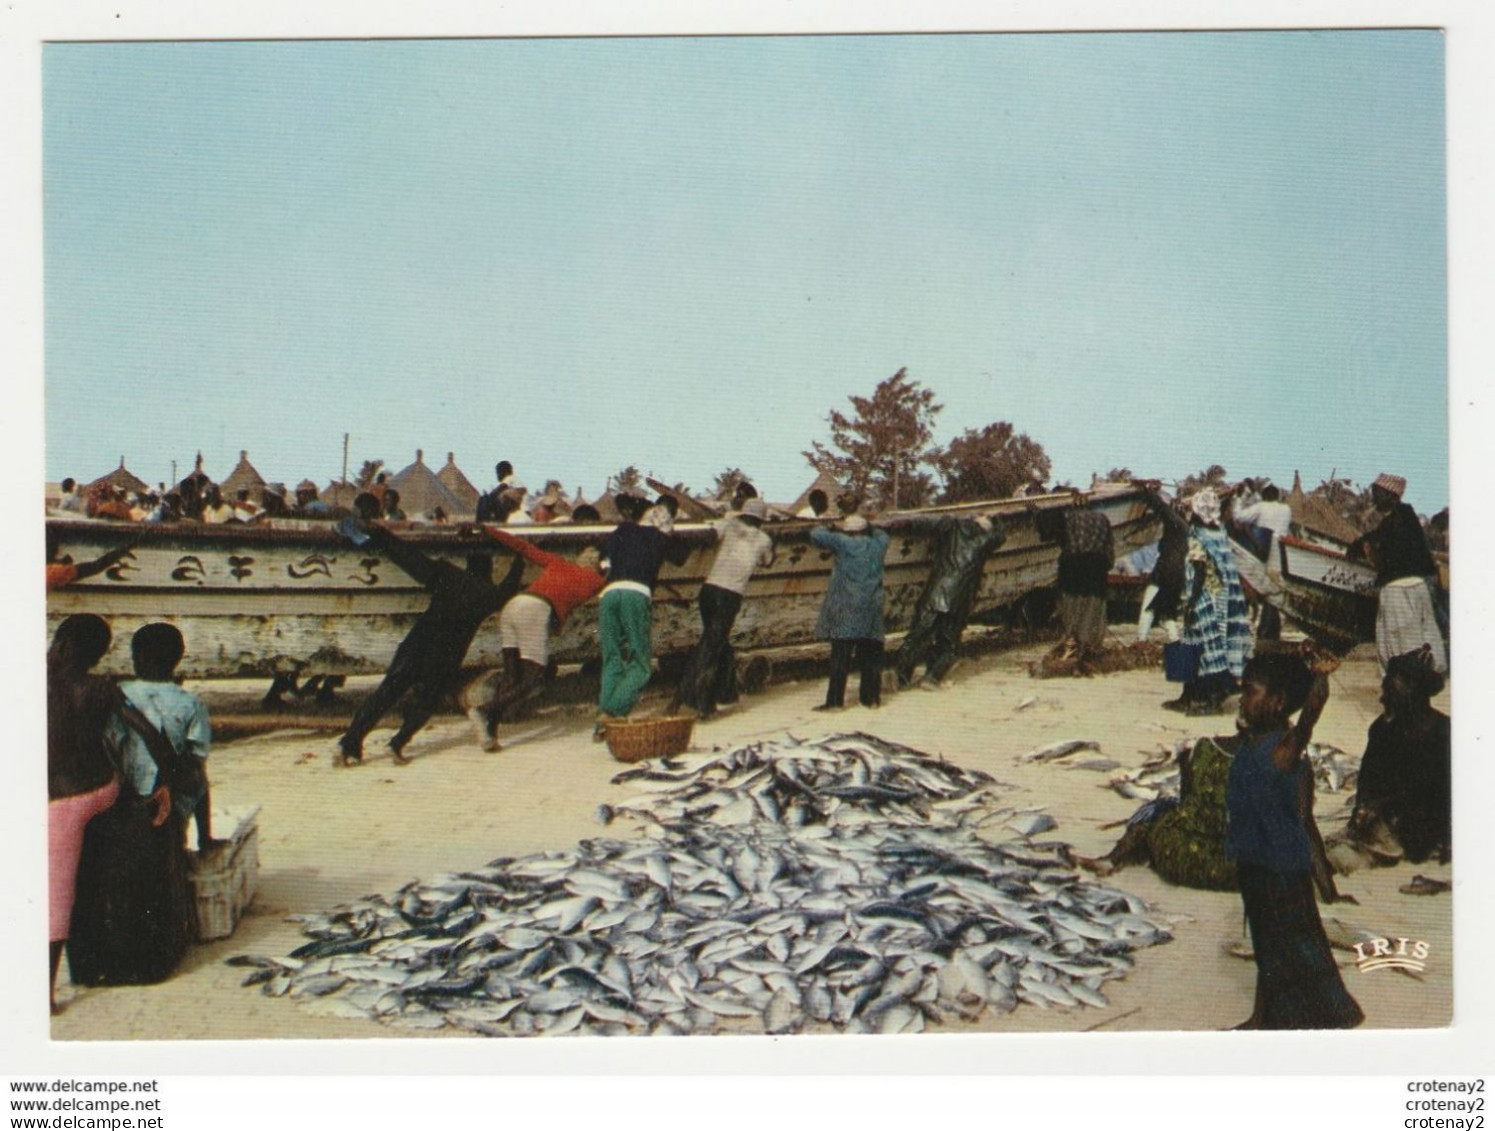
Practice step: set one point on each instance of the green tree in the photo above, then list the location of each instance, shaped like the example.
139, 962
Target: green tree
883, 449
991, 463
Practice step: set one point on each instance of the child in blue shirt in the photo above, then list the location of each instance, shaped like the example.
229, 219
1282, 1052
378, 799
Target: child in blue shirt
1270, 835
180, 716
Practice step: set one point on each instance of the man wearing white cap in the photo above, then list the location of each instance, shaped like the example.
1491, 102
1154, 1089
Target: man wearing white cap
1398, 548
851, 614
744, 546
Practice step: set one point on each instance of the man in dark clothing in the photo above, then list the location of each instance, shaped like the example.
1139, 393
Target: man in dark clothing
958, 551
1162, 600
1087, 553
499, 503
1405, 571
428, 661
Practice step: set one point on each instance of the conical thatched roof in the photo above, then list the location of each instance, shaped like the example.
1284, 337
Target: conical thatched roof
339, 493
606, 508
122, 478
1316, 516
243, 477
421, 492
823, 482
458, 484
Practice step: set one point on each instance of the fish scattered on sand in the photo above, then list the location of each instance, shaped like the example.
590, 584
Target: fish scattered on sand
847, 883
1059, 750
1334, 771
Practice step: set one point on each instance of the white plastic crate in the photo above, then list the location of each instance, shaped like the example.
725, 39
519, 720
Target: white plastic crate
224, 882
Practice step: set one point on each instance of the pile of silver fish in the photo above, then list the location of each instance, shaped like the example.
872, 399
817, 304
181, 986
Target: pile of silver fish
846, 884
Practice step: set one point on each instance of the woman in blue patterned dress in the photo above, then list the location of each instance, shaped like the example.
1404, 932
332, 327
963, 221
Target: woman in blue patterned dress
1216, 619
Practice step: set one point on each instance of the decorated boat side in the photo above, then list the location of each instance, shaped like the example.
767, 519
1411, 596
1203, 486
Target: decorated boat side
1315, 585
293, 597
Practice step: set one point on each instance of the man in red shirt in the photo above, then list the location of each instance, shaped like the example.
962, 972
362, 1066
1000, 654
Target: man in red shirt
525, 626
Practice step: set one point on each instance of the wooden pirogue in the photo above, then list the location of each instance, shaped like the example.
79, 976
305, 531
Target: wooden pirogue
1316, 586
292, 597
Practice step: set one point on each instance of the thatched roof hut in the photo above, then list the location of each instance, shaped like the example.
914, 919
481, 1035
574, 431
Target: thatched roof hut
339, 493
607, 509
458, 484
421, 492
823, 482
243, 477
1316, 516
122, 479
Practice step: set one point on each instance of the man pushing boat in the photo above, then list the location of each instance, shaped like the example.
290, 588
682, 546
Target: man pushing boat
428, 661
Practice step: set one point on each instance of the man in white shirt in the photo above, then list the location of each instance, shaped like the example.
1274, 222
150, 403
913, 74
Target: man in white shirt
710, 677
1264, 518
1267, 514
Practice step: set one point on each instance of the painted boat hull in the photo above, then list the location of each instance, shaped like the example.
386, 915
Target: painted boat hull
1317, 587
257, 601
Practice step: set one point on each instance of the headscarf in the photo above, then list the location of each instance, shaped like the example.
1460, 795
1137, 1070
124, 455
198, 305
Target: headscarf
1205, 506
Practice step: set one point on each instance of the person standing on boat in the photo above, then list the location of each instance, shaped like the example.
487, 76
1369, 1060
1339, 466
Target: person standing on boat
958, 551
1216, 619
525, 626
851, 616
309, 503
1405, 571
710, 677
632, 556
490, 508
428, 662
72, 501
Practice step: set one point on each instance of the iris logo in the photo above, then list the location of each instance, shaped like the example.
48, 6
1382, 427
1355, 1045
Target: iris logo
1395, 954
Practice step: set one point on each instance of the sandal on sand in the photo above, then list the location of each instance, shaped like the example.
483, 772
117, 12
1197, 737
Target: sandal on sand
1424, 885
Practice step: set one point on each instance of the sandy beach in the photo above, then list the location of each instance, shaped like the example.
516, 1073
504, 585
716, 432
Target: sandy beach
328, 835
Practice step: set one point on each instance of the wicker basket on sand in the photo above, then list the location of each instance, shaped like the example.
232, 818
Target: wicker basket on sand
635, 740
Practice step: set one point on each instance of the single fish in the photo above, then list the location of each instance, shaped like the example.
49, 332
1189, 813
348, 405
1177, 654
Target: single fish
1059, 750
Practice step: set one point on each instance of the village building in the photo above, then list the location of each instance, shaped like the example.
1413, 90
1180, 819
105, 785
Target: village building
421, 492
121, 479
458, 484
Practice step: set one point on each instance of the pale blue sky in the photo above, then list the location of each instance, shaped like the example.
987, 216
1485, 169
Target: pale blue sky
1157, 251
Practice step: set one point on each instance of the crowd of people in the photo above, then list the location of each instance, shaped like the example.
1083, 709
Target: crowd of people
126, 759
